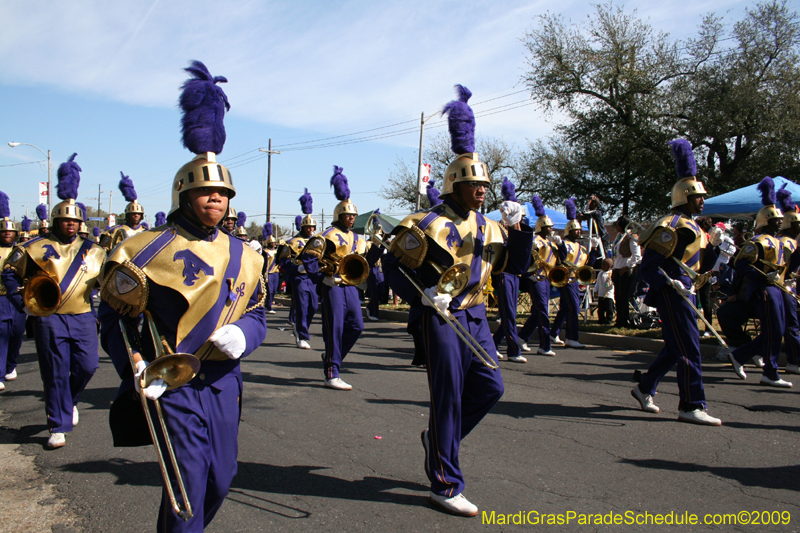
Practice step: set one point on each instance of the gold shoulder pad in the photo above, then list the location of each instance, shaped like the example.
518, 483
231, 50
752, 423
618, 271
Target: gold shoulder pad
125, 289
660, 239
410, 246
17, 260
749, 253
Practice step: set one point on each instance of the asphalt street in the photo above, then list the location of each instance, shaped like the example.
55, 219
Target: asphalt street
566, 438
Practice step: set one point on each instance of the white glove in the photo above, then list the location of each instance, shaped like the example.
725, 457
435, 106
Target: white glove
555, 239
715, 236
595, 242
440, 301
726, 247
511, 213
301, 269
678, 286
329, 281
255, 246
774, 275
230, 340
153, 391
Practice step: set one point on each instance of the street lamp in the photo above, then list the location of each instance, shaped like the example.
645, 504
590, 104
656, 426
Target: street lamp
49, 168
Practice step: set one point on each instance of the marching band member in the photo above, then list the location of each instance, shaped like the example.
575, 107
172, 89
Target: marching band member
304, 290
204, 291
10, 316
229, 222
537, 285
96, 234
571, 250
790, 229
270, 268
134, 214
342, 321
66, 339
44, 225
241, 230
762, 261
463, 388
83, 229
25, 235
161, 219
375, 282
506, 287
676, 235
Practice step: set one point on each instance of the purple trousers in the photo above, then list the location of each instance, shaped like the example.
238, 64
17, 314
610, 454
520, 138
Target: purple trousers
507, 288
463, 390
342, 324
67, 349
568, 312
304, 305
272, 289
540, 308
768, 304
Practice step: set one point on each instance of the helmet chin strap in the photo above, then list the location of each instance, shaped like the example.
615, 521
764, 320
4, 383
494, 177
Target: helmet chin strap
191, 216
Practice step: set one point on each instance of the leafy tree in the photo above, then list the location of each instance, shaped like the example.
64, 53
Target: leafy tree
499, 156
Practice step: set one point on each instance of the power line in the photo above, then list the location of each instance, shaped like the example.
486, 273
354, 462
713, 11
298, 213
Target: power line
26, 163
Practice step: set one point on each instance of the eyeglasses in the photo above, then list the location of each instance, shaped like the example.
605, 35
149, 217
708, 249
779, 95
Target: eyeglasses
476, 184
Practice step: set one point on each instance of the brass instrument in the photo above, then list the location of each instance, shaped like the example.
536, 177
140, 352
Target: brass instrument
694, 308
175, 369
567, 272
353, 268
452, 281
776, 282
698, 280
41, 294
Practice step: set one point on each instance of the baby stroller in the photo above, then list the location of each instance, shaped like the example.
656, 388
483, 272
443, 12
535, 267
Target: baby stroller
643, 316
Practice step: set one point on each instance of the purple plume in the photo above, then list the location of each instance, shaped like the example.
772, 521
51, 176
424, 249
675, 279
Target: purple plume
26, 224
461, 122
69, 178
41, 212
784, 197
204, 105
5, 208
161, 218
96, 231
126, 186
538, 206
572, 212
767, 189
685, 164
339, 183
83, 209
433, 194
508, 190
298, 221
242, 218
306, 203
267, 230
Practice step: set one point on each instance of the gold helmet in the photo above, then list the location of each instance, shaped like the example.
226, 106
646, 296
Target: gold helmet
684, 188
241, 220
129, 193
267, 233
686, 167
83, 229
6, 224
68, 179
572, 216
240, 231
202, 171
790, 210
571, 225
307, 206
231, 213
68, 209
766, 188
341, 190
542, 220
466, 167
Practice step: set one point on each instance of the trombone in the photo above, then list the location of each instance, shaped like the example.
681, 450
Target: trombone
776, 282
42, 294
567, 272
694, 308
452, 281
352, 268
175, 369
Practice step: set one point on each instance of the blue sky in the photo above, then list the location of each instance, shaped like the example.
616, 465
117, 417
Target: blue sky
102, 79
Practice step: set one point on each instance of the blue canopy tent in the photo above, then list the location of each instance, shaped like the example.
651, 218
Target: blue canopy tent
559, 219
744, 203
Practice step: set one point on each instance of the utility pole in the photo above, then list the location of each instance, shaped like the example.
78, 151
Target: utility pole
269, 151
110, 195
322, 220
99, 192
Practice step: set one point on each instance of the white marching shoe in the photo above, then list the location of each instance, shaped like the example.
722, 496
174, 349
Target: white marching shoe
758, 361
75, 416
517, 359
736, 366
457, 505
270, 312
303, 344
11, 376
540, 351
645, 400
555, 341
524, 347
698, 416
782, 383
2, 386
337, 384
573, 344
56, 440
500, 357
790, 369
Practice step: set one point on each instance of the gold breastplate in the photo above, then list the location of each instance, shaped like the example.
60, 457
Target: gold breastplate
576, 254
4, 253
345, 242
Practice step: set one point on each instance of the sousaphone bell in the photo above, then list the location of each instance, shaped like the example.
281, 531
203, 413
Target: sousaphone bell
41, 294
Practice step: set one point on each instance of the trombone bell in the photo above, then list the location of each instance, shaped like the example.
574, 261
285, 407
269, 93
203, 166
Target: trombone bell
454, 280
42, 294
175, 369
559, 276
353, 269
585, 275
